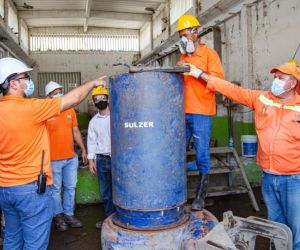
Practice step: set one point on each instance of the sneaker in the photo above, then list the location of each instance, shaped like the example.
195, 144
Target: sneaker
60, 223
72, 221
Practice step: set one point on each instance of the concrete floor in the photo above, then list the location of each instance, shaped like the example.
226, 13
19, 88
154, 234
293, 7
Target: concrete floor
88, 237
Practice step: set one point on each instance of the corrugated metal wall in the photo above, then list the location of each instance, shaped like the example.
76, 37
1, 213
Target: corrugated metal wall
24, 39
2, 8
12, 18
3, 53
83, 42
145, 37
158, 25
179, 7
151, 36
68, 80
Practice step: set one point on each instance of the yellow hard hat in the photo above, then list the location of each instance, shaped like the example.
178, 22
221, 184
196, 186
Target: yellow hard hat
294, 62
186, 22
100, 91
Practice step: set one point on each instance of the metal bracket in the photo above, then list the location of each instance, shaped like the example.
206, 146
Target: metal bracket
236, 233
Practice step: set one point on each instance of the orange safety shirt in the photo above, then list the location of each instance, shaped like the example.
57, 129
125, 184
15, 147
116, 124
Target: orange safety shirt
60, 129
23, 136
197, 99
277, 126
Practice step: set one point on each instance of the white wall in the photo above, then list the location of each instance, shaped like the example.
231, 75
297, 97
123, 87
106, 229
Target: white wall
24, 38
160, 28
276, 36
178, 8
206, 4
146, 39
2, 9
90, 64
12, 18
270, 39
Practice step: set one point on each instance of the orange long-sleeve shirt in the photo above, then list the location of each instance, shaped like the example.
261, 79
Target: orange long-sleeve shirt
277, 126
197, 99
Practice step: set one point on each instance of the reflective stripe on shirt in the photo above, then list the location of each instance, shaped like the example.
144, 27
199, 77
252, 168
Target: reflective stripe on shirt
271, 103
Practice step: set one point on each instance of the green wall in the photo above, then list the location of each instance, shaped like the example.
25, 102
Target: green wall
83, 120
220, 131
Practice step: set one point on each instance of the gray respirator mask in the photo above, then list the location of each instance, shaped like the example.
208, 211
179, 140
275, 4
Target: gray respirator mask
187, 46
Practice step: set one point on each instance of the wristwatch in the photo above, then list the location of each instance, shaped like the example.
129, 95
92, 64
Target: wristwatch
200, 73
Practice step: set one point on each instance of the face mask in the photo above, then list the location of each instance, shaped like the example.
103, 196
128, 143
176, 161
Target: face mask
30, 88
186, 46
277, 87
58, 95
101, 105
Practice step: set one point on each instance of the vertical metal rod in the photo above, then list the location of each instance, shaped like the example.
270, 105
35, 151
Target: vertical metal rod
296, 51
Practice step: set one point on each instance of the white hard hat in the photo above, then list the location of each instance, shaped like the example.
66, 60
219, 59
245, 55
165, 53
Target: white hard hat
51, 86
10, 66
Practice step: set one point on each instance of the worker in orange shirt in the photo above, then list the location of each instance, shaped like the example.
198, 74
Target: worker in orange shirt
199, 104
25, 174
277, 123
64, 161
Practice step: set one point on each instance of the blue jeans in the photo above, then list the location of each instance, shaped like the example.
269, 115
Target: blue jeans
282, 197
64, 173
103, 165
28, 217
199, 126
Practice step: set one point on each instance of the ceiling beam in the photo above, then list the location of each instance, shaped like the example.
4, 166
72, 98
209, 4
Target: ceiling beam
34, 14
121, 16
149, 1
88, 6
9, 42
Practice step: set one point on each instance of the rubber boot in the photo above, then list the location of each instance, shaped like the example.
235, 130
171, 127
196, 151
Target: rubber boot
199, 202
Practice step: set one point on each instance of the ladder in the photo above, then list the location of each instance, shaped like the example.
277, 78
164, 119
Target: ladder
226, 169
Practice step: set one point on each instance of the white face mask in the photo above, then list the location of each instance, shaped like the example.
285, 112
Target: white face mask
29, 88
277, 87
186, 46
58, 95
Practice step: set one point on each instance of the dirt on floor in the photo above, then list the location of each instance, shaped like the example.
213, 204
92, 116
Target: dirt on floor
88, 237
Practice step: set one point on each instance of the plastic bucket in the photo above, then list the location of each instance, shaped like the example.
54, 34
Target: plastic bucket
249, 145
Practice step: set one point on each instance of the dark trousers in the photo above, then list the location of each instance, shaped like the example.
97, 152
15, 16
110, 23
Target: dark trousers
103, 164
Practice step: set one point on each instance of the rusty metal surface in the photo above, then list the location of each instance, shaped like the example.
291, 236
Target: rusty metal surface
183, 237
240, 233
160, 226
140, 69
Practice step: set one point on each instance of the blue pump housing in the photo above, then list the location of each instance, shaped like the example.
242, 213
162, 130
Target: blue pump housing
148, 149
